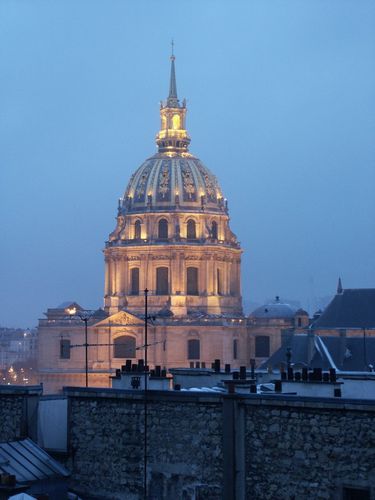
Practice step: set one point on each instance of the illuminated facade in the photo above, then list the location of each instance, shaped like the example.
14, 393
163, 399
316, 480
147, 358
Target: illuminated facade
172, 237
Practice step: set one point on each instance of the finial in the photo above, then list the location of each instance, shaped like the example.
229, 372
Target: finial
172, 100
172, 50
339, 286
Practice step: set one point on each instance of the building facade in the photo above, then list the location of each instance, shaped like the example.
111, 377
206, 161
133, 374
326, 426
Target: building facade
173, 239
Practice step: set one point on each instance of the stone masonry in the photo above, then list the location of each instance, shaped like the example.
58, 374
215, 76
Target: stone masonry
17, 411
208, 446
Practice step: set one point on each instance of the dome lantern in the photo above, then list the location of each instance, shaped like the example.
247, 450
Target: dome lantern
172, 138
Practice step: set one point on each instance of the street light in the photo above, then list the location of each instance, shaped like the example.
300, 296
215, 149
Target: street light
83, 316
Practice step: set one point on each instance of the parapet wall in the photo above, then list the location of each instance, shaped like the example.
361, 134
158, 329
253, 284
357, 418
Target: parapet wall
309, 448
18, 411
213, 446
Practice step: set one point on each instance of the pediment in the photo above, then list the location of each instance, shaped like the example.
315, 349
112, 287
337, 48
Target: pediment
122, 318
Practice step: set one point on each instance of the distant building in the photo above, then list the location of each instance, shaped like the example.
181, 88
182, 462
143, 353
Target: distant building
266, 324
341, 337
16, 346
351, 312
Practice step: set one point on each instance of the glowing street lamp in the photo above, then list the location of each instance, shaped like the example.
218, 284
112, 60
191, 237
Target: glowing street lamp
83, 316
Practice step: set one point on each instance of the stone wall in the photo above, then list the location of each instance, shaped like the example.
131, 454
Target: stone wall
107, 444
18, 406
308, 448
211, 446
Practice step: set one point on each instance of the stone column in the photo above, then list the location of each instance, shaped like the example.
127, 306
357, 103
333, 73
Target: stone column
106, 277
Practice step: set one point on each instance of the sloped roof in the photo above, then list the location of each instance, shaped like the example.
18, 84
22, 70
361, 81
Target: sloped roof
356, 355
28, 462
353, 308
299, 350
343, 353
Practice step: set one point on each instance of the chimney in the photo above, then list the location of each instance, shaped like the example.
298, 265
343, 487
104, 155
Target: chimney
217, 365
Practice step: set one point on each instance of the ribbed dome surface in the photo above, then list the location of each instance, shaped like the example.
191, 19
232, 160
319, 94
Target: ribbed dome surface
173, 183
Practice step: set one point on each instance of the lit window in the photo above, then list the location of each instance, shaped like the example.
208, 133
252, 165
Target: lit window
124, 347
176, 122
137, 230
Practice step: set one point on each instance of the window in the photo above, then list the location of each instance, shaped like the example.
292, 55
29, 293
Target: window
299, 322
134, 281
191, 232
137, 230
233, 281
163, 229
214, 230
193, 349
176, 122
162, 285
64, 349
350, 493
124, 347
218, 282
192, 281
235, 348
262, 346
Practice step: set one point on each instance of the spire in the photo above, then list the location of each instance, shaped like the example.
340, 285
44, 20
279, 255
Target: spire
339, 287
172, 100
172, 138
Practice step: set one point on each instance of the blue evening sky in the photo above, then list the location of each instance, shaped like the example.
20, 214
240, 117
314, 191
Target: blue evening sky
281, 107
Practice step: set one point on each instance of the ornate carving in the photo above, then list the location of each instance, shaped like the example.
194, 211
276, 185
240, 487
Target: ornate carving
195, 257
119, 228
132, 257
161, 257
187, 178
164, 181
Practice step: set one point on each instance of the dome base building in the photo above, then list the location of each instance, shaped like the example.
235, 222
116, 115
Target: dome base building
173, 239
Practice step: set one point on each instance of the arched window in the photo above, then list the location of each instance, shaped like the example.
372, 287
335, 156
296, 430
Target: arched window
193, 346
176, 122
218, 282
124, 347
137, 230
262, 346
191, 232
214, 230
163, 229
134, 281
162, 285
235, 348
192, 281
